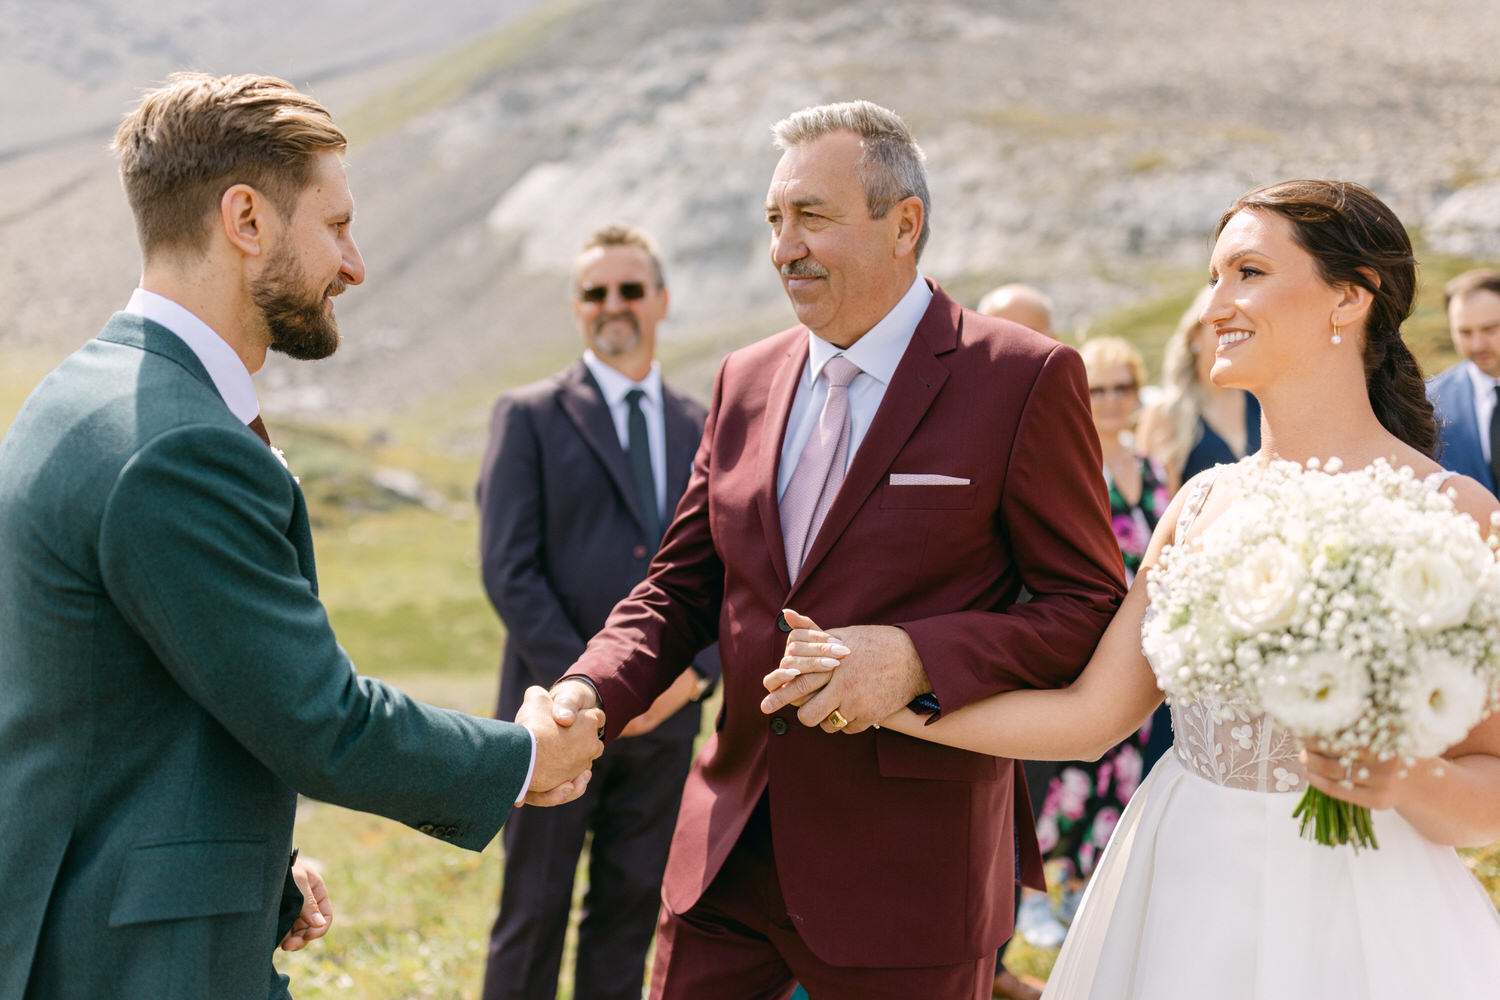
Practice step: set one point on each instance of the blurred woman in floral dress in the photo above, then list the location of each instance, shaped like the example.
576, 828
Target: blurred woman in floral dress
1085, 800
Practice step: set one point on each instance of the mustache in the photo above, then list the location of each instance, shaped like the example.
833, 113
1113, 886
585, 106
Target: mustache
803, 267
625, 317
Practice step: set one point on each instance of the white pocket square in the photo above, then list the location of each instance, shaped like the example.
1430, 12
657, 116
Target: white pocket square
925, 479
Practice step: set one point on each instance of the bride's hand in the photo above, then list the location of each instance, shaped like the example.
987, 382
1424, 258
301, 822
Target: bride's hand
810, 657
1361, 779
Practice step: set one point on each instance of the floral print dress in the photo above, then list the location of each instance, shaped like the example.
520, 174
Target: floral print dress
1085, 800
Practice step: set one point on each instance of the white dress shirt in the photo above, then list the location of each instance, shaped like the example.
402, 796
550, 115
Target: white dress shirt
615, 385
877, 354
229, 374
232, 379
1484, 403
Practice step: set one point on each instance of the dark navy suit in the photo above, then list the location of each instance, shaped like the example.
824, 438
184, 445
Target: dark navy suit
562, 539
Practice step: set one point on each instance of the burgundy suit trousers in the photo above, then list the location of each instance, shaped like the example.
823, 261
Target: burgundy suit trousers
737, 943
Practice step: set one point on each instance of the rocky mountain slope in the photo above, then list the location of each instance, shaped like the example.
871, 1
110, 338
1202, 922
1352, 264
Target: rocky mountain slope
1082, 145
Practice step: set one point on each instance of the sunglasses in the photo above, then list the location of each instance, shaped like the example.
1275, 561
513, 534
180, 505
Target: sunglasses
1123, 389
630, 291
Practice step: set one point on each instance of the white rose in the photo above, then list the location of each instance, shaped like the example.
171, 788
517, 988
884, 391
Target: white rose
1429, 590
1260, 590
1318, 694
1443, 702
1166, 651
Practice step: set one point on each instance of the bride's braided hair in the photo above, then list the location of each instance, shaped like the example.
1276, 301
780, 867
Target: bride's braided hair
1355, 238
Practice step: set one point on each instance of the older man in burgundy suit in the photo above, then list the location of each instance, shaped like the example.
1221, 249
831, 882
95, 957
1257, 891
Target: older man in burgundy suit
894, 461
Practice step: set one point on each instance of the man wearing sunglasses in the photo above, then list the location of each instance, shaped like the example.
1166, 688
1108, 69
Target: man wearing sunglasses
582, 472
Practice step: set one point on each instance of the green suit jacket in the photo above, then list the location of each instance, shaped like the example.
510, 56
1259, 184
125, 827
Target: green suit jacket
169, 682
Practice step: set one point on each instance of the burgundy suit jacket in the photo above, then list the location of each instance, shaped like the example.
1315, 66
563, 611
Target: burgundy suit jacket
891, 851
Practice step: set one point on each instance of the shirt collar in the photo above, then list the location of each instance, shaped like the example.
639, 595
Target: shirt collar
1484, 385
615, 385
880, 350
230, 376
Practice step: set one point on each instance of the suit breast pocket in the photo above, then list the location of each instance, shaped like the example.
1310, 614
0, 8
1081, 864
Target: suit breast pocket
928, 497
187, 879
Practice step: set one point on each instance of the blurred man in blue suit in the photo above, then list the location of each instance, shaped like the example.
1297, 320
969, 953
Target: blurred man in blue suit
1465, 395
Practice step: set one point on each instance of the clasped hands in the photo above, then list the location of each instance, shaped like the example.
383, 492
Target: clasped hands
567, 744
864, 673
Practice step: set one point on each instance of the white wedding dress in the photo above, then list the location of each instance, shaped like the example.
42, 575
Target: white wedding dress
1207, 890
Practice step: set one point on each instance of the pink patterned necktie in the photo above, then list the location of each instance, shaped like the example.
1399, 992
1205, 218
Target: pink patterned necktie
819, 471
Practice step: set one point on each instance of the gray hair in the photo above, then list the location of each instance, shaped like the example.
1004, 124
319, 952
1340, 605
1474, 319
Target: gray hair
890, 168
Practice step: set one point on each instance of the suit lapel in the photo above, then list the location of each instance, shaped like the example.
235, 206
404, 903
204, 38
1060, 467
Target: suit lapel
1464, 429
918, 379
773, 430
583, 402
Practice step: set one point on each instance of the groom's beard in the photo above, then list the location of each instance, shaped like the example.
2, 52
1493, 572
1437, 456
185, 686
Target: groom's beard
301, 325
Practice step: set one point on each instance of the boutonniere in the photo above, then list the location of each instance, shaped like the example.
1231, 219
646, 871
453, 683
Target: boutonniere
281, 457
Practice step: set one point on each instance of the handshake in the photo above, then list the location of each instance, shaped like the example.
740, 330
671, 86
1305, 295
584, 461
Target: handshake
567, 741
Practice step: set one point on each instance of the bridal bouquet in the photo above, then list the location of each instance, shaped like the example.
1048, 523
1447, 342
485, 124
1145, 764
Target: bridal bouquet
1358, 610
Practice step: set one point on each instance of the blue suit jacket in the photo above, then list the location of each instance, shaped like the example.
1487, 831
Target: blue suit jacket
1452, 395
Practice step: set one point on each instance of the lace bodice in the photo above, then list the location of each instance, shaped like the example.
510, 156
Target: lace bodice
1221, 741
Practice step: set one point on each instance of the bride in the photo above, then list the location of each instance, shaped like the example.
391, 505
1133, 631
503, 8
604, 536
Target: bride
1206, 888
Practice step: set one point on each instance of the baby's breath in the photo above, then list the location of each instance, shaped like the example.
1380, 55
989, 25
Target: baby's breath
1322, 592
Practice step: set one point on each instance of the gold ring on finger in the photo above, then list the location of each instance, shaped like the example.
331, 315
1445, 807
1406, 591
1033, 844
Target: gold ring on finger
836, 720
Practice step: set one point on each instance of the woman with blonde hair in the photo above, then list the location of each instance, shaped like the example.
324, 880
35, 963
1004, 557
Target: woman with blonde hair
1085, 799
1196, 425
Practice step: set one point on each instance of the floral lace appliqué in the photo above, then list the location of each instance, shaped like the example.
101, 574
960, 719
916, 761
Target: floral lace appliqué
1223, 743
1230, 747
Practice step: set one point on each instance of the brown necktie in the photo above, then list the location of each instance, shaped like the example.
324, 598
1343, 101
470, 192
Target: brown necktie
259, 427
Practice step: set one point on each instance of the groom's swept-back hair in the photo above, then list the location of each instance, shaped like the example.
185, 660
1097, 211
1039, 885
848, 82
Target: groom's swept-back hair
198, 135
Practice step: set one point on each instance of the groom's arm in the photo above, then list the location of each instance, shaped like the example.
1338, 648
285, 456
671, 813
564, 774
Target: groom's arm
194, 552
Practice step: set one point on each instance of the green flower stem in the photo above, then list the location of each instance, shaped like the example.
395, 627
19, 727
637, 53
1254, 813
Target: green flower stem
1332, 821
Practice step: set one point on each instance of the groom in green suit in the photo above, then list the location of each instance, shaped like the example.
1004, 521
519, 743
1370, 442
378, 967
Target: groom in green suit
168, 678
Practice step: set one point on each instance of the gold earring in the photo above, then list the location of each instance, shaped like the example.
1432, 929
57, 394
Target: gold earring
1336, 338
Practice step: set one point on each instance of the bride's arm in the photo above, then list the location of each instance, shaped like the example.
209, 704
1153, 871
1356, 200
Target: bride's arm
1111, 698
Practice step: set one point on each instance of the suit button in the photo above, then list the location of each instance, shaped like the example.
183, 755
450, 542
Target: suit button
639, 552
778, 725
425, 828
